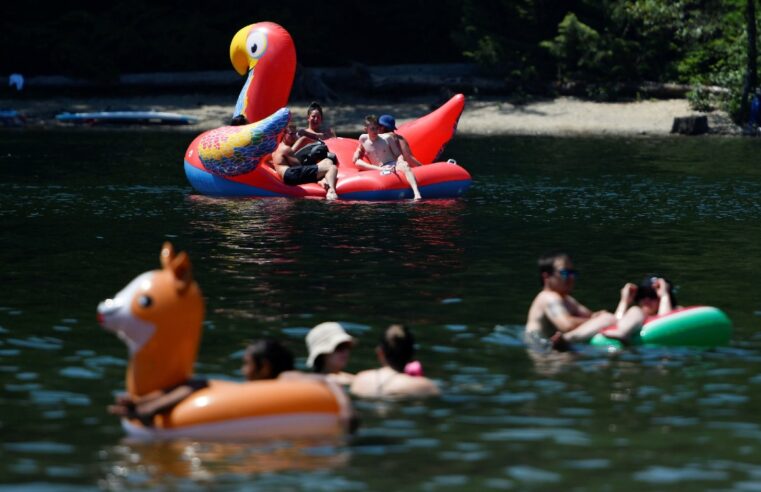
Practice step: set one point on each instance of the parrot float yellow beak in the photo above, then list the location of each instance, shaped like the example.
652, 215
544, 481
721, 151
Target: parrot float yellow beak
239, 56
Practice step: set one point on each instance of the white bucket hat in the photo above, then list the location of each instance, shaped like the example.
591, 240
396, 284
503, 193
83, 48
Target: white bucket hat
324, 338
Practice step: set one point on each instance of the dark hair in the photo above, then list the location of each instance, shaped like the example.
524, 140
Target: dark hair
314, 105
279, 357
319, 363
546, 263
645, 289
398, 346
238, 120
371, 119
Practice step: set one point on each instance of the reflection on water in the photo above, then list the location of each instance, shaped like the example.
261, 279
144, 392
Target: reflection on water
461, 272
182, 463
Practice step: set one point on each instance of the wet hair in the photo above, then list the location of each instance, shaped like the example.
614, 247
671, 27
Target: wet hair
314, 106
371, 119
238, 120
398, 346
645, 290
546, 263
279, 357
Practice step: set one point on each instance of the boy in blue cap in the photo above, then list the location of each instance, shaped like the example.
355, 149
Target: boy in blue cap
384, 132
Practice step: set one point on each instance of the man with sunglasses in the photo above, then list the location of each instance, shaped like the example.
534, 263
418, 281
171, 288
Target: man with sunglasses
555, 316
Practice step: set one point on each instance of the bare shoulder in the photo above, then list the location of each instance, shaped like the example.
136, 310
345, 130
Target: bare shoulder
546, 297
423, 386
364, 383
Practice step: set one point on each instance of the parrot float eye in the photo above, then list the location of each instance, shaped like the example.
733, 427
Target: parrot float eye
145, 301
256, 44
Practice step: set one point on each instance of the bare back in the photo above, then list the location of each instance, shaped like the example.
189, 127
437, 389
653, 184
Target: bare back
387, 383
283, 158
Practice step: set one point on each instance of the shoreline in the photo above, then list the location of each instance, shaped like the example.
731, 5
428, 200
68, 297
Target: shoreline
483, 116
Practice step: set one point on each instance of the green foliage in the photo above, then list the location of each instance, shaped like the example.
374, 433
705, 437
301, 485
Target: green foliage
700, 99
605, 45
577, 49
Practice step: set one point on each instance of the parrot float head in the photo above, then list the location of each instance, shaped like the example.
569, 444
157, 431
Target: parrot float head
159, 316
266, 54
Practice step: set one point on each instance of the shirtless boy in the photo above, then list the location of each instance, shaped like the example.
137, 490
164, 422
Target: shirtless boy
290, 169
385, 152
556, 316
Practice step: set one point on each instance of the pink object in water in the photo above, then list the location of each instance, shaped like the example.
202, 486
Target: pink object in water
414, 368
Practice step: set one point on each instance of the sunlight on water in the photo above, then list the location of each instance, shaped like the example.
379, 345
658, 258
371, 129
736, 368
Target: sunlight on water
461, 273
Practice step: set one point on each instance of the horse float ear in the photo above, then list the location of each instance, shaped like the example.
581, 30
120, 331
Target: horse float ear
167, 255
181, 269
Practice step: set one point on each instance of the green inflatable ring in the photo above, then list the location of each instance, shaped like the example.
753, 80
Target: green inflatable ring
695, 326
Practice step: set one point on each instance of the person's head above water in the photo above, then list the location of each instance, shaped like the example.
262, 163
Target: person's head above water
647, 291
266, 359
397, 346
556, 271
329, 346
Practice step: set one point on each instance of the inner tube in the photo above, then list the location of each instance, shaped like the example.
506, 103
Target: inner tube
230, 411
694, 326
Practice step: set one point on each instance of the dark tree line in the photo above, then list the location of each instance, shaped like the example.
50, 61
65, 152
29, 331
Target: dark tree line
601, 44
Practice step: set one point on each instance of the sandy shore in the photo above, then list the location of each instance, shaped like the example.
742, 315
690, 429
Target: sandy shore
562, 116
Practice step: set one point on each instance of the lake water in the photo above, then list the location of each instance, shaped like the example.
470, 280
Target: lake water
84, 211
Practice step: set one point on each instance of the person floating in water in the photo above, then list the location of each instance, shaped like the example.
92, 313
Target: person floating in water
329, 349
266, 359
399, 375
654, 296
554, 315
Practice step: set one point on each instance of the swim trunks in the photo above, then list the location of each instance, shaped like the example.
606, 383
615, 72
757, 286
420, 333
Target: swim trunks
296, 175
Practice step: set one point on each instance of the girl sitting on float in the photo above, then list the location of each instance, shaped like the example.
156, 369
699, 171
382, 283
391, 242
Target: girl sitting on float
654, 296
400, 375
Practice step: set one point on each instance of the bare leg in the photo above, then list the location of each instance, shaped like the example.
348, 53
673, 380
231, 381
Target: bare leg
589, 328
405, 168
329, 171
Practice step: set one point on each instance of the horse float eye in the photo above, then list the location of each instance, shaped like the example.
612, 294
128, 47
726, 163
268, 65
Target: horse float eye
256, 44
145, 301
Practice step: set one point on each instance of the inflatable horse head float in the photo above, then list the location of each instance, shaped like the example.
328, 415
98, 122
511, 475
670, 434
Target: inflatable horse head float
159, 316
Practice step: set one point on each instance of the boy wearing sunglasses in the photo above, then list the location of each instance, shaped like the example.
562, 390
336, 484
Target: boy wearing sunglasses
555, 316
